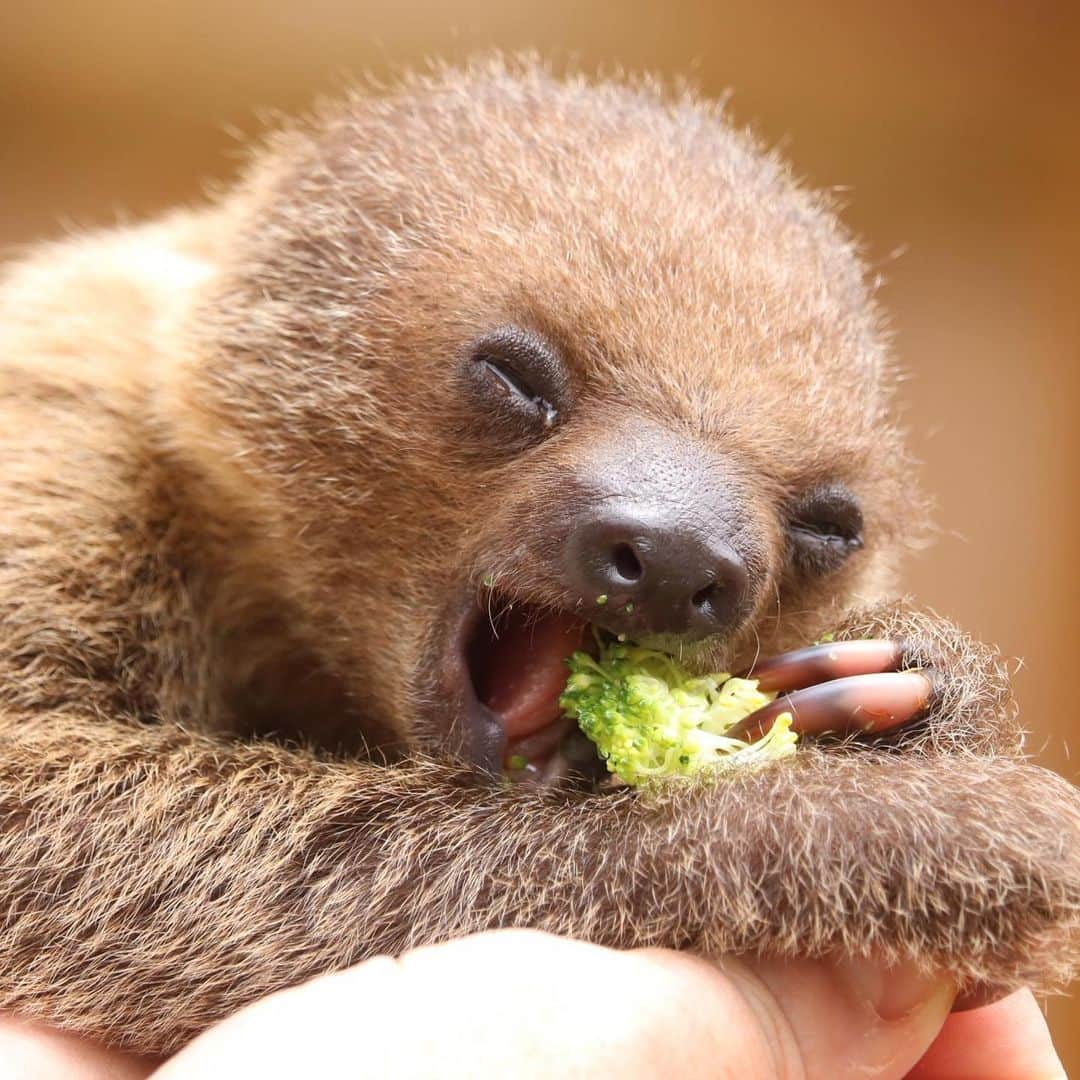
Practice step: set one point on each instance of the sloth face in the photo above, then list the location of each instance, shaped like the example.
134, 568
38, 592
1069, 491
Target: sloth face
525, 363
630, 527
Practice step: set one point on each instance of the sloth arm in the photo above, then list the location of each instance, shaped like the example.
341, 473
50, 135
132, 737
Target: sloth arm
156, 879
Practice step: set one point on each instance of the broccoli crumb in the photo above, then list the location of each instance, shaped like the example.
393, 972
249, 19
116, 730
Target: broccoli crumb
629, 609
516, 761
488, 580
649, 717
602, 599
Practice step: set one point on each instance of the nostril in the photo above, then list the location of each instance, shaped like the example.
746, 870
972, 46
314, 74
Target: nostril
707, 596
626, 562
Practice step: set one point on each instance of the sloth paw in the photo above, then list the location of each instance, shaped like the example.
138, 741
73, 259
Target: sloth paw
841, 687
971, 709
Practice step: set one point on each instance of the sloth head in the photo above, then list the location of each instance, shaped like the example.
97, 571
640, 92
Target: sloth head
500, 358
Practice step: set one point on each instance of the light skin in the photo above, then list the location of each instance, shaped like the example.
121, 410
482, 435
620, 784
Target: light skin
521, 1003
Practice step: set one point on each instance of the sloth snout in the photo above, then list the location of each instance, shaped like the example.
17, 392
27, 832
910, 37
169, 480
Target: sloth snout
658, 573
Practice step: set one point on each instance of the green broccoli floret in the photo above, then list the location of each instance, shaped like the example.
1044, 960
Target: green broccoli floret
649, 717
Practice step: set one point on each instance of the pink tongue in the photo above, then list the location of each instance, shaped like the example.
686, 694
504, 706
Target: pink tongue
527, 671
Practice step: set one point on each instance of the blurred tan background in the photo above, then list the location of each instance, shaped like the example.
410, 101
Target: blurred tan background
955, 126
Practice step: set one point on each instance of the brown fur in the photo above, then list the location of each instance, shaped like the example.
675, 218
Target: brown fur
240, 488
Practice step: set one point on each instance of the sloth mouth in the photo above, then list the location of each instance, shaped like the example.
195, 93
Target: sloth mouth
517, 661
511, 665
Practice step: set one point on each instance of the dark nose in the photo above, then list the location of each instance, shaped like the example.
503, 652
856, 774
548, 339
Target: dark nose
657, 576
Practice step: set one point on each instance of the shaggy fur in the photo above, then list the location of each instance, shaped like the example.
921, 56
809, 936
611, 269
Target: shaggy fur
241, 486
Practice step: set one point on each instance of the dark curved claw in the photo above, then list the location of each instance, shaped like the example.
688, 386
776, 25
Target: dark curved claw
865, 703
821, 663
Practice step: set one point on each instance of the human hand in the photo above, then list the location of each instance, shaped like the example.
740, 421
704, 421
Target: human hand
525, 1004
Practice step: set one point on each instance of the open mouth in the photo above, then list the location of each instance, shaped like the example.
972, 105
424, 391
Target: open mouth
515, 664
498, 680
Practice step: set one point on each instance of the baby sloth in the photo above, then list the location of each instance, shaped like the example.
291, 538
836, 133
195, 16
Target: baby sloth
306, 496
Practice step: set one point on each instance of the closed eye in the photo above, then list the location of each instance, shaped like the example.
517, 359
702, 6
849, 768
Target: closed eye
518, 384
825, 527
514, 383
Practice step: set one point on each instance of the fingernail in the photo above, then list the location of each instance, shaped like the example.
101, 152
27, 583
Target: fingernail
894, 993
819, 663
